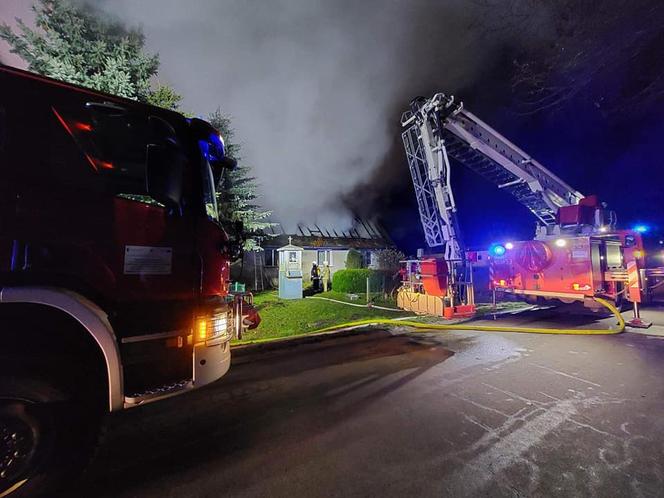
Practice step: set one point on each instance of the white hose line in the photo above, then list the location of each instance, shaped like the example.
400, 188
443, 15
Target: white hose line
373, 306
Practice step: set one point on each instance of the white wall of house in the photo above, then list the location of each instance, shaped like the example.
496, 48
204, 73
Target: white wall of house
336, 258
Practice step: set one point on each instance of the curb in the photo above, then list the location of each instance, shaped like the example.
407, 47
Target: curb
245, 351
277, 344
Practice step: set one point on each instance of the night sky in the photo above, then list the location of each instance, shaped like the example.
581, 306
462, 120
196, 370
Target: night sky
620, 161
605, 138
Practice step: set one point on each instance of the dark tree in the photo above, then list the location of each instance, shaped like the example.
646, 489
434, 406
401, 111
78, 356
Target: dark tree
77, 43
237, 191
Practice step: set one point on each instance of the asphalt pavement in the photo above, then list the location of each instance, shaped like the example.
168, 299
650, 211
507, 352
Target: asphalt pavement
397, 414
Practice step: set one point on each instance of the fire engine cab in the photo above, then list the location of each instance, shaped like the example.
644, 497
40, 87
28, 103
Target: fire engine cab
114, 268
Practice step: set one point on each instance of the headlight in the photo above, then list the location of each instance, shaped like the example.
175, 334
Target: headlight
213, 327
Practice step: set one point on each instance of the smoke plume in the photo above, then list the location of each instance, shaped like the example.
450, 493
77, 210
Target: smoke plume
314, 87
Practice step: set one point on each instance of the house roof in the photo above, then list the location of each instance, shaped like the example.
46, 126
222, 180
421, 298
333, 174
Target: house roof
363, 234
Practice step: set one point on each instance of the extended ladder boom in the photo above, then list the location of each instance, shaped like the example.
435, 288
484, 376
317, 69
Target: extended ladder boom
440, 127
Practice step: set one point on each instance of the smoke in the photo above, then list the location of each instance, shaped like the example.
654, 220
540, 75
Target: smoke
314, 87
9, 11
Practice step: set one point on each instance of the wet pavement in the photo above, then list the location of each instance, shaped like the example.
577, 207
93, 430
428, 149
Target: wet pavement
397, 413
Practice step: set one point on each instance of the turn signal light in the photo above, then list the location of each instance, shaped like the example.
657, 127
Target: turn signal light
201, 329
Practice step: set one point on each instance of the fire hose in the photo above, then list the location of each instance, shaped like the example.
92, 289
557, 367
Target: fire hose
490, 328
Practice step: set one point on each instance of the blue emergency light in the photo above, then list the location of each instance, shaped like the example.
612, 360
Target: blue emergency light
497, 250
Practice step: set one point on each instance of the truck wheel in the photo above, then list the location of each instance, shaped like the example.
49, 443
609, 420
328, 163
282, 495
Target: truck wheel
46, 437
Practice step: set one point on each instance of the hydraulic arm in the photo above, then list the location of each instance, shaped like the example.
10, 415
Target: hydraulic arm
439, 128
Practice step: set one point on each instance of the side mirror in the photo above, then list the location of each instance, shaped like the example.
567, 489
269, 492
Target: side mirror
163, 175
218, 167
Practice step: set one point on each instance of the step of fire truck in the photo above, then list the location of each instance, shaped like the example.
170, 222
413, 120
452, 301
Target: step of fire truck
158, 392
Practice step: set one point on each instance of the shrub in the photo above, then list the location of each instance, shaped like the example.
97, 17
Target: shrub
355, 280
353, 260
388, 259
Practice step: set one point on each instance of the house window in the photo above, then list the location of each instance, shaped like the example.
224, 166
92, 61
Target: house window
271, 257
324, 256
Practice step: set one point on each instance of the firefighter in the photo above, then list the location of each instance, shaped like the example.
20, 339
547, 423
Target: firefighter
315, 277
326, 276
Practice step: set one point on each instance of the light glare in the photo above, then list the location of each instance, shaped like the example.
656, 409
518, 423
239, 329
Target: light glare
202, 329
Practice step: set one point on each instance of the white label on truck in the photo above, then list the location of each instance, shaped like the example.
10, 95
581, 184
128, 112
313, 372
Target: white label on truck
146, 260
580, 254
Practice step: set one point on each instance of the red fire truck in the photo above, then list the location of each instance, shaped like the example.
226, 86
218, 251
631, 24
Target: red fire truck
581, 256
114, 269
577, 253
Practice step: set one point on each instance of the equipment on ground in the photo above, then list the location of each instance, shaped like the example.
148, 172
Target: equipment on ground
114, 268
577, 254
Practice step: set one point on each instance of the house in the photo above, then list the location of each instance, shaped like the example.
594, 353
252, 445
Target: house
260, 269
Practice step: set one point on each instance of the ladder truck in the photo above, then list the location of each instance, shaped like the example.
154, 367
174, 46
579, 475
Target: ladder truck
577, 252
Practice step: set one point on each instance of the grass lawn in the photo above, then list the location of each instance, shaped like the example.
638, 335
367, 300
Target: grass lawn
283, 318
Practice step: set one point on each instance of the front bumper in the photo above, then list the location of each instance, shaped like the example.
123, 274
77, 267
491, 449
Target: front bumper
211, 361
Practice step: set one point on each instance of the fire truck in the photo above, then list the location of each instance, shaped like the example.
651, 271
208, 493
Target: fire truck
578, 251
114, 268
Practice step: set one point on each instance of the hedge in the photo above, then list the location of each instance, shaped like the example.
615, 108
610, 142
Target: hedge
356, 280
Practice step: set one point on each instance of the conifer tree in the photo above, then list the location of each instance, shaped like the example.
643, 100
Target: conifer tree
75, 42
237, 190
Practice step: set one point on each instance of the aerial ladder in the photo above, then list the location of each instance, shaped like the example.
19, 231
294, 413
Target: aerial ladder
575, 234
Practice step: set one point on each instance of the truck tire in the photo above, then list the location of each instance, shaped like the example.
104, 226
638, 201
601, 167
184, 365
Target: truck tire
46, 436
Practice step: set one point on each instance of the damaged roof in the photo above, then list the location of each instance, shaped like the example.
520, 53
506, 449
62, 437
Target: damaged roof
363, 234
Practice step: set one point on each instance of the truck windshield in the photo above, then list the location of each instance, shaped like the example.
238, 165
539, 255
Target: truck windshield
209, 193
212, 150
